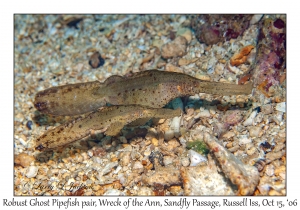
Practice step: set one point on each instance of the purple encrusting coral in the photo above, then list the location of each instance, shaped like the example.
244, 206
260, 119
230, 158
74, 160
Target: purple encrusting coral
271, 54
212, 29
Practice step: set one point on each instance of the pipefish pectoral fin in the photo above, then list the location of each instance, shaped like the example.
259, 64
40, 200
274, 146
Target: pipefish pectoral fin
115, 128
72, 99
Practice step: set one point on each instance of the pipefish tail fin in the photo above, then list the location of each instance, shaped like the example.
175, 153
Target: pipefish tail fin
72, 99
225, 88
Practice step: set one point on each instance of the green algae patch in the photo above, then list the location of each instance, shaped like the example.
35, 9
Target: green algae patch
198, 146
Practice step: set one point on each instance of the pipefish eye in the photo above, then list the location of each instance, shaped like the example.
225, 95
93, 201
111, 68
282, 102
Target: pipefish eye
40, 147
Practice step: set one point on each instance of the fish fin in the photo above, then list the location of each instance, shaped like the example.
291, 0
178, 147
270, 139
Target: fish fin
114, 100
114, 128
138, 122
113, 79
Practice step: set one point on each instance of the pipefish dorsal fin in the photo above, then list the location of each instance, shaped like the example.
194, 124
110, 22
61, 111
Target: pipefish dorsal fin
113, 79
138, 122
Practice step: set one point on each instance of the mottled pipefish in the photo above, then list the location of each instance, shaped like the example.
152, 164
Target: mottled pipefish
109, 120
152, 88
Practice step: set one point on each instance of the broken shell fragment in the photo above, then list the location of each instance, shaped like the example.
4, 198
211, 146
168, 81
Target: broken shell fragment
244, 176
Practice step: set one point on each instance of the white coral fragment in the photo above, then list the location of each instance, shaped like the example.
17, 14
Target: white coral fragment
196, 158
175, 126
250, 119
280, 107
255, 19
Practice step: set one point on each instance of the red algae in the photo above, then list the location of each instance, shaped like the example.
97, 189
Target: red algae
244, 79
279, 24
271, 55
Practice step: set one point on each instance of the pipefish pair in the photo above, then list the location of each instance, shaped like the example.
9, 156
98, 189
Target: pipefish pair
139, 96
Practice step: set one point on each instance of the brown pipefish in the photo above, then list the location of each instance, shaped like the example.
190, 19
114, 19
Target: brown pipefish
152, 88
109, 120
